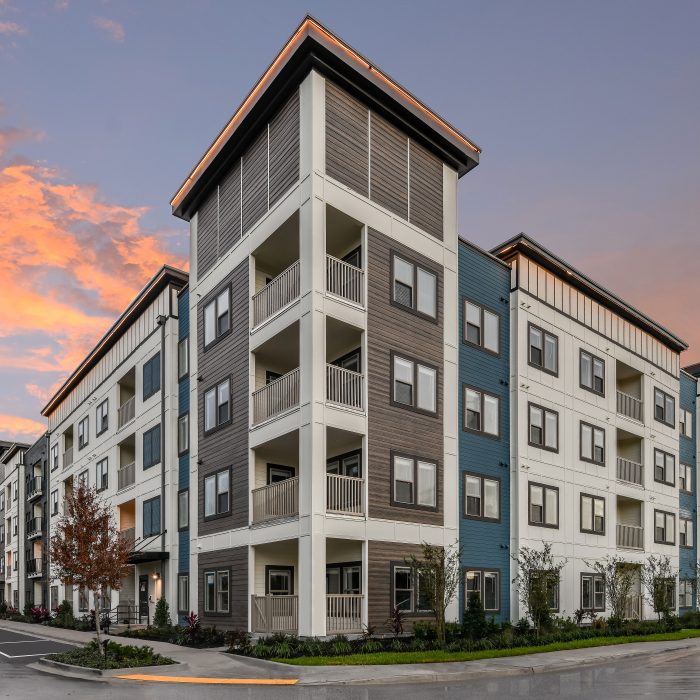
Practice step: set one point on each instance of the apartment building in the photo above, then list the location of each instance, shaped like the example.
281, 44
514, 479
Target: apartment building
595, 391
113, 425
12, 525
34, 514
323, 417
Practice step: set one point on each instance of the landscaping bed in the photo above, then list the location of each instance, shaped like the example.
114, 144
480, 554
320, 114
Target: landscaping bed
118, 656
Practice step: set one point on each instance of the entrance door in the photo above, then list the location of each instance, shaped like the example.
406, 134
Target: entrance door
143, 598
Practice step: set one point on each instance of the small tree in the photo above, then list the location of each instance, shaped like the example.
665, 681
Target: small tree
437, 577
161, 616
474, 621
537, 576
87, 549
619, 579
659, 580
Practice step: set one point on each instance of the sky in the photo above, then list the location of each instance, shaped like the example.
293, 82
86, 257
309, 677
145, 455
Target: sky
587, 113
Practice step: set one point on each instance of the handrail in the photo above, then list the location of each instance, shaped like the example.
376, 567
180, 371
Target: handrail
278, 500
345, 494
276, 294
126, 412
344, 387
276, 397
345, 280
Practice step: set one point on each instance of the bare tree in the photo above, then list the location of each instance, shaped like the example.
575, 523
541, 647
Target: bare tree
87, 549
619, 579
659, 581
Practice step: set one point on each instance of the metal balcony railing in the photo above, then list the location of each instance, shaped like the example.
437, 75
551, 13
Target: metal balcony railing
629, 471
278, 500
344, 613
68, 458
126, 412
129, 534
34, 487
345, 280
35, 527
630, 406
126, 476
345, 494
275, 295
630, 536
275, 613
275, 398
344, 387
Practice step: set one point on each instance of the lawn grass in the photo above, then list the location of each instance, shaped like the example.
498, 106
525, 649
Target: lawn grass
431, 657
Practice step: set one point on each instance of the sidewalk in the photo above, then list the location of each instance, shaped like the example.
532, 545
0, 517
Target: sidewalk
215, 664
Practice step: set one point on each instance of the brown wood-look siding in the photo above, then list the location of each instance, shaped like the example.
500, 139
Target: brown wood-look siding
380, 557
389, 166
230, 209
228, 446
347, 139
207, 232
236, 561
426, 206
390, 328
255, 181
284, 149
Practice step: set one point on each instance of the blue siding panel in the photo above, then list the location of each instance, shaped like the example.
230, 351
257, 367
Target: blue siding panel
687, 452
184, 460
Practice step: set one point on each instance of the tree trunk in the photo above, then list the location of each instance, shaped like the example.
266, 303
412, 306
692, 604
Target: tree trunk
97, 621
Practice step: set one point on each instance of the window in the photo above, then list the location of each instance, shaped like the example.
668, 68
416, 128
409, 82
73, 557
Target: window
685, 423
183, 509
664, 467
216, 494
543, 505
83, 600
664, 408
54, 502
415, 385
54, 597
415, 287
83, 432
592, 373
151, 517
102, 417
54, 458
183, 358
685, 593
183, 433
486, 585
685, 478
216, 591
404, 589
664, 527
183, 593
217, 406
544, 428
84, 478
481, 327
101, 475
151, 447
592, 444
592, 514
544, 350
482, 497
685, 532
551, 586
279, 580
592, 592
217, 317
151, 376
481, 412
415, 482
14, 490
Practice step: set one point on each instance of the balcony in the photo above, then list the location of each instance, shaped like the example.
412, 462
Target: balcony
275, 614
34, 488
35, 568
344, 387
126, 412
129, 535
630, 449
276, 501
276, 295
345, 280
630, 537
630, 406
126, 476
629, 471
277, 397
344, 613
35, 527
345, 494
629, 384
68, 457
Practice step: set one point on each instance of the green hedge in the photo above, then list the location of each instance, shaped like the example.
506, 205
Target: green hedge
118, 656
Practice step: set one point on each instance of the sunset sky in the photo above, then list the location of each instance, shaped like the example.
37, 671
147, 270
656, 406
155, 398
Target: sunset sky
588, 114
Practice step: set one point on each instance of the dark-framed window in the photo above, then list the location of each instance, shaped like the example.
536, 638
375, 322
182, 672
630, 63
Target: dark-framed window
543, 349
102, 417
406, 590
217, 317
151, 376
279, 472
543, 427
83, 600
279, 580
685, 422
686, 593
83, 432
54, 457
183, 509
481, 327
592, 514
346, 464
217, 406
685, 478
543, 505
344, 578
592, 592
54, 503
183, 433
84, 478
151, 447
414, 286
414, 481
592, 372
217, 591
183, 358
183, 593
551, 582
664, 467
482, 412
102, 474
482, 497
664, 407
151, 517
592, 439
685, 532
486, 583
414, 384
217, 494
664, 527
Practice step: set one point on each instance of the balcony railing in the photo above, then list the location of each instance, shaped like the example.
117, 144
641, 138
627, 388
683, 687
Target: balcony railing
128, 534
633, 607
278, 396
35, 568
345, 494
630, 471
34, 487
34, 527
343, 614
630, 536
344, 387
68, 458
126, 476
126, 412
275, 613
278, 500
345, 280
275, 295
630, 406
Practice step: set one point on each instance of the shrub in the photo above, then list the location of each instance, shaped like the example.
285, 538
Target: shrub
118, 656
474, 621
63, 615
424, 631
522, 626
161, 616
395, 621
27, 612
40, 614
237, 641
3, 610
340, 645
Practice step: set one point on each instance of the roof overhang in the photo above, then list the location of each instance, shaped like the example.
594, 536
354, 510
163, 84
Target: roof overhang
145, 557
12, 450
313, 46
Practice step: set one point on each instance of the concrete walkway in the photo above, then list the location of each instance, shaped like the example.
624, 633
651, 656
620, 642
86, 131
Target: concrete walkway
215, 664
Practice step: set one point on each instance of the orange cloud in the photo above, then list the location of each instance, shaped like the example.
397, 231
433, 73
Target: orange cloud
20, 429
11, 28
114, 29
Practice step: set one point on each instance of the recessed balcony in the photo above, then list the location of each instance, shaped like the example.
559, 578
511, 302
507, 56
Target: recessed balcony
630, 532
34, 488
35, 568
629, 458
345, 278
629, 385
34, 528
345, 484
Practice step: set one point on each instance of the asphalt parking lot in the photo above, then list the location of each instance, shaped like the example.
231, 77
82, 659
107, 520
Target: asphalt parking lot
24, 648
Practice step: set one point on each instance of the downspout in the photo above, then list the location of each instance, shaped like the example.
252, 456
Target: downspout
47, 522
161, 322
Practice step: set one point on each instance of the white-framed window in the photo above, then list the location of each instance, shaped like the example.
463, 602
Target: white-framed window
664, 527
216, 591
685, 423
101, 475
217, 317
415, 481
183, 358
543, 507
183, 433
102, 417
486, 584
543, 350
415, 384
592, 592
664, 467
217, 494
481, 412
183, 509
685, 478
482, 497
84, 478
217, 405
414, 287
592, 443
482, 327
183, 593
543, 428
664, 408
83, 432
14, 526
592, 514
592, 373
685, 532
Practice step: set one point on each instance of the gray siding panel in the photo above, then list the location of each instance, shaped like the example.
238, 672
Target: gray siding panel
426, 191
347, 139
255, 181
207, 233
230, 209
389, 166
284, 149
236, 560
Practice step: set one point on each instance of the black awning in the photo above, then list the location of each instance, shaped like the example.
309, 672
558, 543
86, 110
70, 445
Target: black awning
143, 557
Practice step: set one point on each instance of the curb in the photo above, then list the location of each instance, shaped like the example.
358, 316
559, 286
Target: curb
57, 668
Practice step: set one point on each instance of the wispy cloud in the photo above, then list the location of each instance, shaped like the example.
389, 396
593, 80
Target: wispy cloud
20, 429
11, 28
113, 29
